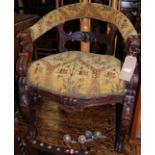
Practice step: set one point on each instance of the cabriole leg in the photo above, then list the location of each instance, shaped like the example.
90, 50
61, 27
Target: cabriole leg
27, 109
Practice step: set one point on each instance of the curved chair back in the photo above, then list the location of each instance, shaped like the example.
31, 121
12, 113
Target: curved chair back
83, 10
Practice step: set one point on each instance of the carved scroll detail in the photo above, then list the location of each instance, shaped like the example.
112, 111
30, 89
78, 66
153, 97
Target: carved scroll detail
25, 55
133, 45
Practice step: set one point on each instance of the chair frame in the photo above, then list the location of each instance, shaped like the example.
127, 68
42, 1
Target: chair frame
28, 95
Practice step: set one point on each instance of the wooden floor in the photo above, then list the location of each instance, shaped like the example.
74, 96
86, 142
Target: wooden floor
54, 123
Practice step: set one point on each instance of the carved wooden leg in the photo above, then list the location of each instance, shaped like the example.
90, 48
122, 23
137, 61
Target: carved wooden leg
125, 121
26, 107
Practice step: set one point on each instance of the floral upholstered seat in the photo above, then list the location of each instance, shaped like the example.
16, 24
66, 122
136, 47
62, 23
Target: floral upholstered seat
77, 74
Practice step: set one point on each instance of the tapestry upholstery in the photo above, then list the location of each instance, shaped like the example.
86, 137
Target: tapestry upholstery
81, 10
77, 74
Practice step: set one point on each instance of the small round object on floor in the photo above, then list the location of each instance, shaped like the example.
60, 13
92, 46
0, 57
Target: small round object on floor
97, 134
49, 147
58, 149
42, 144
67, 151
82, 139
88, 134
67, 138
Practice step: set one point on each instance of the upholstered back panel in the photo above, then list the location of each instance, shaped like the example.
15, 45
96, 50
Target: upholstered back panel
81, 10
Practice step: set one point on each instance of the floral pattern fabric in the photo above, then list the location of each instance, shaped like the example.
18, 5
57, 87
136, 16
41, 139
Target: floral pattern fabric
83, 10
77, 74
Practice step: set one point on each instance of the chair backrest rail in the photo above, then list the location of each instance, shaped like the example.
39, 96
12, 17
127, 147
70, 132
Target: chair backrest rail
83, 10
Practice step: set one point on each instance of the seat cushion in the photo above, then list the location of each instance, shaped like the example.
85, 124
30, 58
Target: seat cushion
77, 74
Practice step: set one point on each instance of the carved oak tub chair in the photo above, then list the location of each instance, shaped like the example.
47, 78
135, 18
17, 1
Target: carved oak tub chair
77, 80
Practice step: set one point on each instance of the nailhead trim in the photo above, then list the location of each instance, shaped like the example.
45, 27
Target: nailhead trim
58, 149
49, 147
42, 144
67, 151
18, 139
34, 142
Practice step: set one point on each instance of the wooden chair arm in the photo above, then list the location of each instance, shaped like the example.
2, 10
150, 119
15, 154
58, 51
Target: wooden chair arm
22, 63
25, 40
25, 56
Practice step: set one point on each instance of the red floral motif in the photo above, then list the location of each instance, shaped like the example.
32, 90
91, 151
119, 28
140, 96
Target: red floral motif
61, 18
59, 76
110, 75
48, 23
124, 24
37, 68
63, 71
95, 73
82, 72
